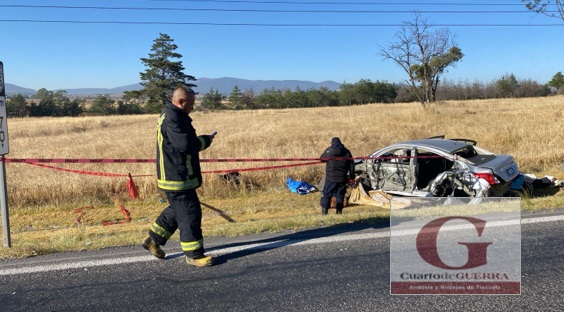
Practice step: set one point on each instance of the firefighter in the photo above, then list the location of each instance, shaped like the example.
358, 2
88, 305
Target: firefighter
179, 175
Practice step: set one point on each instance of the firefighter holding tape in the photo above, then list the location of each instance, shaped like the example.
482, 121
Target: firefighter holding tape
179, 175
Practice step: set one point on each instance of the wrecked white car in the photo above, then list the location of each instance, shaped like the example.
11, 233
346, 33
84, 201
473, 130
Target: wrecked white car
438, 167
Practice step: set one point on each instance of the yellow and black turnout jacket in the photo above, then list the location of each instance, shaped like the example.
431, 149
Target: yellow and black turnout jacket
178, 147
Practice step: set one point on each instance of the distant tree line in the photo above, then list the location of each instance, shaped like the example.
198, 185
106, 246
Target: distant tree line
362, 92
366, 91
508, 86
58, 104
50, 103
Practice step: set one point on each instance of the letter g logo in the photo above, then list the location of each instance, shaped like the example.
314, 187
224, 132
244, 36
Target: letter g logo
426, 244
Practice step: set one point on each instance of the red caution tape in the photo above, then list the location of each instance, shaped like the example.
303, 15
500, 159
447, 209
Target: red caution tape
311, 161
216, 160
81, 214
131, 188
123, 210
78, 160
104, 174
262, 168
96, 173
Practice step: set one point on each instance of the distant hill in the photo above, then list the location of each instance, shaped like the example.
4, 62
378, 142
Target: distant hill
13, 90
224, 85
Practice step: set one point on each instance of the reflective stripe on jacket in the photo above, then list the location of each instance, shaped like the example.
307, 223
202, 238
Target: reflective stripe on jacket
178, 147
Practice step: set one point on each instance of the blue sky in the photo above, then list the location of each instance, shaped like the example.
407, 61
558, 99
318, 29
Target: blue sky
59, 47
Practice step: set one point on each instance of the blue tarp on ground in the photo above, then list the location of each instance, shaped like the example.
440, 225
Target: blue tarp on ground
299, 187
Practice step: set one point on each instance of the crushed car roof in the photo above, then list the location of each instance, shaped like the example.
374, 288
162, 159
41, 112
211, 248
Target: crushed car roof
446, 145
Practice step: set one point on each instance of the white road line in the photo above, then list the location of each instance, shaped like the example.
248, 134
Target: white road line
223, 251
542, 219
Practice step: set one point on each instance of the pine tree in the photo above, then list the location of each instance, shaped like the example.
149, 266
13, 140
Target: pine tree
212, 99
17, 106
557, 82
162, 74
236, 97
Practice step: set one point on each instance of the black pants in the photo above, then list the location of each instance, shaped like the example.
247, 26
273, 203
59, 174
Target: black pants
330, 189
184, 213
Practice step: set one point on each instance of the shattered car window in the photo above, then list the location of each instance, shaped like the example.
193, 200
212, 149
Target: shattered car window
430, 165
467, 152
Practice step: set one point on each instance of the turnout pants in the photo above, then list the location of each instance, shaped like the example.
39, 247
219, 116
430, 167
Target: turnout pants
185, 214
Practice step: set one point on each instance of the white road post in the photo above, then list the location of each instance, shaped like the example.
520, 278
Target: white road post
3, 151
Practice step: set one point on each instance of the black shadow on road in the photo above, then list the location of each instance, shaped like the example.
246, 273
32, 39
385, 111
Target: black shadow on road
289, 239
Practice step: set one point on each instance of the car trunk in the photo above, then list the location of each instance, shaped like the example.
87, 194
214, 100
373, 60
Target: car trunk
503, 166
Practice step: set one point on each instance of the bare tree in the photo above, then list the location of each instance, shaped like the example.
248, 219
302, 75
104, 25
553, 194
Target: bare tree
545, 7
424, 55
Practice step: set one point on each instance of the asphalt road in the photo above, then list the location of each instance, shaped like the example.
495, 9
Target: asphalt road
341, 268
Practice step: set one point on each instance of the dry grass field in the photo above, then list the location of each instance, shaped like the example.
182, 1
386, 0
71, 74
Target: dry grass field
45, 203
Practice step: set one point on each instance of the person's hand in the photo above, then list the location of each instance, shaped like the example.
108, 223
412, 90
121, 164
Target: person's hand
212, 136
208, 137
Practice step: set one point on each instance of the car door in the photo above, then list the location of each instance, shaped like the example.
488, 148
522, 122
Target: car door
394, 170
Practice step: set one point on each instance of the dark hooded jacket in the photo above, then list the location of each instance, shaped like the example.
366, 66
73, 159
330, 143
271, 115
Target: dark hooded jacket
338, 170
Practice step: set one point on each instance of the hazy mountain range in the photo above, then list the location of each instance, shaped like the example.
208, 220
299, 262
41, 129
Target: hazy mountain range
224, 85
